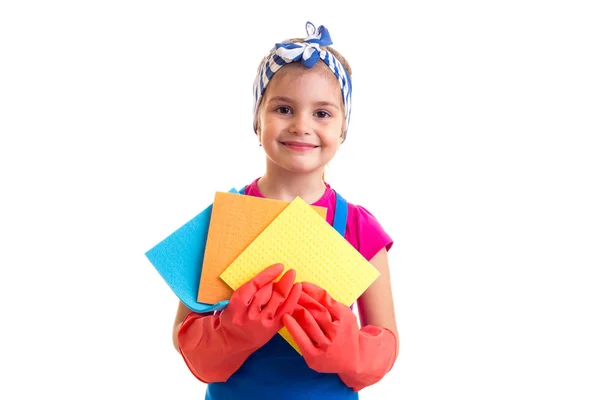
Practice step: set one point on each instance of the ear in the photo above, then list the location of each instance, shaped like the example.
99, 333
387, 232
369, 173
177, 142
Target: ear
341, 139
257, 130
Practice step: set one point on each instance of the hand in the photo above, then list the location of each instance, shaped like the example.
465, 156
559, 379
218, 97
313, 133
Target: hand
256, 308
328, 336
325, 330
215, 347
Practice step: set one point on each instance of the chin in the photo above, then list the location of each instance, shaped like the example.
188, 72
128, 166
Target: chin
302, 169
297, 165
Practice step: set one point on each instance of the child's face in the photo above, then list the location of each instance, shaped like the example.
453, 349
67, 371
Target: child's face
301, 118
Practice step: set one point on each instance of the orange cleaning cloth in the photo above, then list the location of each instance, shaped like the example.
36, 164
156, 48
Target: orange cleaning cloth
235, 222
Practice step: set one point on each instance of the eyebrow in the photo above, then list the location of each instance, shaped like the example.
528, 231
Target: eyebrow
284, 99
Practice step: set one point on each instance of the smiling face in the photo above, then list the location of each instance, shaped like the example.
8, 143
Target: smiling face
301, 118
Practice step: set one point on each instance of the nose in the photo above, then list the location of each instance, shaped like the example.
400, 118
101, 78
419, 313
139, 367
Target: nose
300, 124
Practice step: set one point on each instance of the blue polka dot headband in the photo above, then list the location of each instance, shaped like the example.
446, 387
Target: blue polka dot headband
309, 52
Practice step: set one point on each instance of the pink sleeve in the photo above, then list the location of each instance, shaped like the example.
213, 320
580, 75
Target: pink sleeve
366, 233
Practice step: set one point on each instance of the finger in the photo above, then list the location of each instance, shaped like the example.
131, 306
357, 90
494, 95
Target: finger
260, 300
304, 343
245, 292
310, 326
318, 311
336, 310
316, 292
340, 312
284, 285
281, 290
290, 303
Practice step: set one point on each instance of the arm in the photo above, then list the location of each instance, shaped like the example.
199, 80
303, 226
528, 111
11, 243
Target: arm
376, 305
182, 312
214, 347
330, 340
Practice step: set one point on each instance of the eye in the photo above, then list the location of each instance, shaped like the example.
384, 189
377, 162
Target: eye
322, 114
283, 110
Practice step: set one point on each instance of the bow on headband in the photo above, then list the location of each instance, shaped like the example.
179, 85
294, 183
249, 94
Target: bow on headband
308, 52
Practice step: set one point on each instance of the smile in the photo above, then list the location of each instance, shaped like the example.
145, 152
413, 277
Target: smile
299, 146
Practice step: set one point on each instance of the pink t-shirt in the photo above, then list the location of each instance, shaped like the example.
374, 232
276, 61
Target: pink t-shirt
363, 231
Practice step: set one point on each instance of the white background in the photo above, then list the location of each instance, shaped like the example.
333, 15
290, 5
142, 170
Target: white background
474, 140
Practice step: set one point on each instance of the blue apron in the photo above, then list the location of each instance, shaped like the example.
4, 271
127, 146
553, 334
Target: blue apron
277, 371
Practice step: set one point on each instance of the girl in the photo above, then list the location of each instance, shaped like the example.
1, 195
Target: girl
302, 97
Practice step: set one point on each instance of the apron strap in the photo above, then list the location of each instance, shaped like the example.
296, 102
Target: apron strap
340, 215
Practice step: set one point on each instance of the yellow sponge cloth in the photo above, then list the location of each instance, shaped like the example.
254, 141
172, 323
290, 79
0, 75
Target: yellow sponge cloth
301, 239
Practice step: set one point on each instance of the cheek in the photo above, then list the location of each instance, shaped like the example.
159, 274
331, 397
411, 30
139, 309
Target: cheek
335, 135
333, 141
271, 126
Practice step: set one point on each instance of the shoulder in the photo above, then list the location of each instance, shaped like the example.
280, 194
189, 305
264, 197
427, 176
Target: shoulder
251, 189
365, 232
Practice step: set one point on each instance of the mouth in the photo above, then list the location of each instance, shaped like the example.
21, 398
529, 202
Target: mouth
299, 146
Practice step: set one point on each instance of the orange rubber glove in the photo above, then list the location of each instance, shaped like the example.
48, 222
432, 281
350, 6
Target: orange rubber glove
328, 336
216, 346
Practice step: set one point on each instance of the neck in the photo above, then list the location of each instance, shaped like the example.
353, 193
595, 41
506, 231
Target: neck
284, 185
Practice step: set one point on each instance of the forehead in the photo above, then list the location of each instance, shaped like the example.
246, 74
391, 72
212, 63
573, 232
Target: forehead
295, 76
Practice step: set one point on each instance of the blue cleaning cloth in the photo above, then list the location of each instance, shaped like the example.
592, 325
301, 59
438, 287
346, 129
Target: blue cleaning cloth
178, 259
